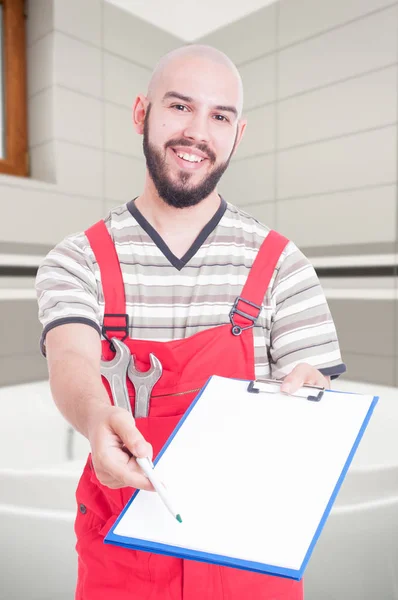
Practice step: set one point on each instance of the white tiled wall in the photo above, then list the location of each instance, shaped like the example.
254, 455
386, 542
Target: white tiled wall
300, 19
362, 45
86, 63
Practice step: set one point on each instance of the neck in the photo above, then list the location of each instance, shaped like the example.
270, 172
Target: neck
179, 227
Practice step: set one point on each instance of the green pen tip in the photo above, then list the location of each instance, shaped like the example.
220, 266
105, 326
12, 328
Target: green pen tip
178, 517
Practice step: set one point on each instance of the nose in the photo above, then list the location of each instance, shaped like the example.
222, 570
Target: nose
197, 128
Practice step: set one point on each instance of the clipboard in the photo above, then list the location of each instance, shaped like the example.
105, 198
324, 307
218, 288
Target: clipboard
297, 454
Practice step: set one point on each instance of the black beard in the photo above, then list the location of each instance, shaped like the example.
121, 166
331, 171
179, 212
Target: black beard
180, 195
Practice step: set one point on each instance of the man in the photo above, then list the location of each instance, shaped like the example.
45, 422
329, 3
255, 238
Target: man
174, 260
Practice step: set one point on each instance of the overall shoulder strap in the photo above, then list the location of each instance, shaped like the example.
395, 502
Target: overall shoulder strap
115, 317
247, 306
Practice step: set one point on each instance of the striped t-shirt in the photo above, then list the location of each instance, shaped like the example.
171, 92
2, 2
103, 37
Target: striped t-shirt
168, 298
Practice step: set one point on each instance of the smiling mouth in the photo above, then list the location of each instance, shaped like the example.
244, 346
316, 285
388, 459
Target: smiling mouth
189, 157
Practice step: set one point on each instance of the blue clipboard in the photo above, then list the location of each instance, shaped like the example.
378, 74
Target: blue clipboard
137, 543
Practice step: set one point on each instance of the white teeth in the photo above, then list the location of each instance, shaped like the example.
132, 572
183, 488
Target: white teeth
190, 157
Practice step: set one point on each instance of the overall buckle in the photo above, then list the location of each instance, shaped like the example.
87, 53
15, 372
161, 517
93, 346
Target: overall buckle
124, 327
237, 329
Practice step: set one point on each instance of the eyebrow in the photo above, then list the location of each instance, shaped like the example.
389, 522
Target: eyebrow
189, 99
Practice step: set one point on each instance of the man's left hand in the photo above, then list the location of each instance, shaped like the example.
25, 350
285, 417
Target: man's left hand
301, 374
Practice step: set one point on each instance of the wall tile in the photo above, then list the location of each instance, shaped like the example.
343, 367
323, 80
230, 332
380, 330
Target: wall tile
40, 19
333, 220
259, 136
40, 117
353, 161
22, 368
135, 39
19, 323
361, 103
79, 169
78, 118
258, 77
123, 80
359, 331
265, 212
249, 181
40, 64
299, 20
38, 216
124, 177
79, 19
77, 65
361, 46
248, 38
42, 162
370, 369
120, 135
350, 249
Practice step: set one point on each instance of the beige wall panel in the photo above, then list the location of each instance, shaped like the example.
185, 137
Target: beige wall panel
361, 46
265, 212
248, 38
124, 177
370, 369
39, 216
79, 19
358, 160
20, 327
258, 77
358, 330
123, 80
40, 19
78, 118
77, 65
351, 217
120, 135
299, 19
362, 103
40, 117
259, 136
249, 181
40, 70
22, 368
42, 162
79, 169
134, 38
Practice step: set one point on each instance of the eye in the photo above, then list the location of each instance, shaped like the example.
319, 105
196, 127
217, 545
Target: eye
179, 107
221, 118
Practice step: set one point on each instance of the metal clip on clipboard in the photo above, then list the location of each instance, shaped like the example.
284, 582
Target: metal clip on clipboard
272, 386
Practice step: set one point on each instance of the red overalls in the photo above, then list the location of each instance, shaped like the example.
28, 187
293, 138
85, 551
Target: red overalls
108, 572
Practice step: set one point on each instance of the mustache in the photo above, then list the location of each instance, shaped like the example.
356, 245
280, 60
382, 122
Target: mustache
201, 147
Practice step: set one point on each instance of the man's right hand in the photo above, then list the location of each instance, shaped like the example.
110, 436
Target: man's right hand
74, 355
114, 438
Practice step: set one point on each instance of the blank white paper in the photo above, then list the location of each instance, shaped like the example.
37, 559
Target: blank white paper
250, 474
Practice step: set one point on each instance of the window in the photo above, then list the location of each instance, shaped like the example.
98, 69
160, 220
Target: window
13, 109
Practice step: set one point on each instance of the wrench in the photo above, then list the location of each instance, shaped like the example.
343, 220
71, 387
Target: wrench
115, 372
143, 383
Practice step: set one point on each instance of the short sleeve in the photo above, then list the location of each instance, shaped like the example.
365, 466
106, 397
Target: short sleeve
302, 329
66, 287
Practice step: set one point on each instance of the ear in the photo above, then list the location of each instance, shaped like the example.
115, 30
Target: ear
139, 111
241, 128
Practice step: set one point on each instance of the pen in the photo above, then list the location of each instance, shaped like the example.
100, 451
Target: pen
148, 467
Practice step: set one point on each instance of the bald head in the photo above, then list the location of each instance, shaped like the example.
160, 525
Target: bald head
188, 58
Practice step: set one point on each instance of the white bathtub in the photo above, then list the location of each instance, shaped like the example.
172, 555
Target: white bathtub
356, 557
37, 503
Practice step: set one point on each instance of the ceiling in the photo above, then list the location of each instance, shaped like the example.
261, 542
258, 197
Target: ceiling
192, 19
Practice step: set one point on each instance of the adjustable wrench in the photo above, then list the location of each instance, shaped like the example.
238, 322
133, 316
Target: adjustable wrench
115, 371
143, 383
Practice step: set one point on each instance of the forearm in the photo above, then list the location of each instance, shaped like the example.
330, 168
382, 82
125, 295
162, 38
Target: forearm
77, 389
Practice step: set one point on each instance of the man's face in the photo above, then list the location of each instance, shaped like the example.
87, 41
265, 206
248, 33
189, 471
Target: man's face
191, 130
